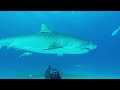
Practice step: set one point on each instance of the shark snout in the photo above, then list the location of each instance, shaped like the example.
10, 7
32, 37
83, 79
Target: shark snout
94, 46
91, 47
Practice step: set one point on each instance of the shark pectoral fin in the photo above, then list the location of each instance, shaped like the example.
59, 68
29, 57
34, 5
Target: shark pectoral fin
44, 28
26, 54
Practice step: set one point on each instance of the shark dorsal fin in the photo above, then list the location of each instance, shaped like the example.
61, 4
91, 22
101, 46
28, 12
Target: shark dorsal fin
44, 28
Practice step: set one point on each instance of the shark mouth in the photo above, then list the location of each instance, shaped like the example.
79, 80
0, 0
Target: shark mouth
87, 49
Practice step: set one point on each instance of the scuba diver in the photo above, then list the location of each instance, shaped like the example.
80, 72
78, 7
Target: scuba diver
51, 73
55, 74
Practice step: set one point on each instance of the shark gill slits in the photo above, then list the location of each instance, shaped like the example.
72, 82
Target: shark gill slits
67, 43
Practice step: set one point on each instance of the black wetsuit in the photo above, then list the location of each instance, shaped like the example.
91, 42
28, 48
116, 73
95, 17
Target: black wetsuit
55, 75
51, 73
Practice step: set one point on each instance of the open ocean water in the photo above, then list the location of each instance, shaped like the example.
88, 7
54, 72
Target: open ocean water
94, 26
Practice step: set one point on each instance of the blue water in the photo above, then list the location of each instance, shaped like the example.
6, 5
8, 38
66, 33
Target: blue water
94, 26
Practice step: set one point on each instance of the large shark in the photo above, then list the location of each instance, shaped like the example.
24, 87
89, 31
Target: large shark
48, 42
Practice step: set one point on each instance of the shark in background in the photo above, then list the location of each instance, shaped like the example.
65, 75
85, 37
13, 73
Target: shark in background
48, 42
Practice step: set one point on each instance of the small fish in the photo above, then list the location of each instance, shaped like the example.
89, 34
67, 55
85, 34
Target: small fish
115, 31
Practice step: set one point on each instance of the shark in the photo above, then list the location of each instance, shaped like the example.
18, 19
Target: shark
47, 41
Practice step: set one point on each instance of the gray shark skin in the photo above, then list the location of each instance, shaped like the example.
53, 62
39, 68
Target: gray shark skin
48, 42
